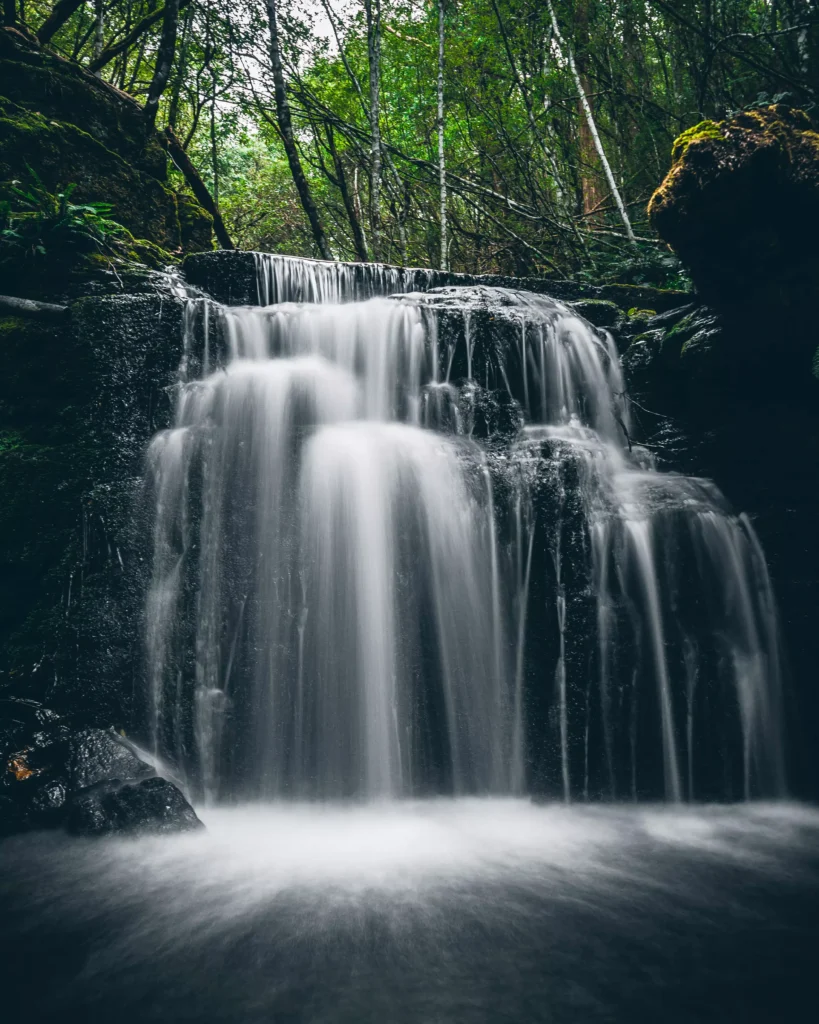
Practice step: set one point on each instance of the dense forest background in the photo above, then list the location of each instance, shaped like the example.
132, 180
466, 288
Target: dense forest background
514, 136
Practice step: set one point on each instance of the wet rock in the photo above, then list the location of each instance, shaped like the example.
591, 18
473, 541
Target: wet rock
740, 206
152, 805
23, 721
92, 780
230, 277
489, 413
98, 756
79, 403
34, 748
600, 312
48, 804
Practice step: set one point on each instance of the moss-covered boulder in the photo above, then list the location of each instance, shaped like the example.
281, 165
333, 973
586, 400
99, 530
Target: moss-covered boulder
740, 206
600, 312
72, 127
61, 152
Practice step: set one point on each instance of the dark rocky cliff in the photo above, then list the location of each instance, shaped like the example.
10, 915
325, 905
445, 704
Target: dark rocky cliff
727, 390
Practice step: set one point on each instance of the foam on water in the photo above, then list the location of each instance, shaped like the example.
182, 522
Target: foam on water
472, 910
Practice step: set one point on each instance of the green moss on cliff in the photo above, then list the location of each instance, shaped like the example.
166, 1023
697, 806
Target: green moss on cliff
72, 127
697, 133
61, 152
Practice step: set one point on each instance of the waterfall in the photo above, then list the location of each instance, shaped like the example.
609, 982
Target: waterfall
406, 545
290, 279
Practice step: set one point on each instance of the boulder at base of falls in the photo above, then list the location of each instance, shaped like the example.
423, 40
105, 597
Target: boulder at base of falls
99, 756
151, 805
91, 781
740, 206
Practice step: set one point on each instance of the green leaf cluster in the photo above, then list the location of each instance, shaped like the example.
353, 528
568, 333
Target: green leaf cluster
35, 223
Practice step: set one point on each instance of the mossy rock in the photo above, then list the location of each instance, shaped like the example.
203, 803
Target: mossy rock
45, 83
73, 128
703, 130
61, 153
740, 206
195, 224
600, 312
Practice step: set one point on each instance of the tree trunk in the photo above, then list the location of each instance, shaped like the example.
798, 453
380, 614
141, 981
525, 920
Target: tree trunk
588, 120
349, 205
164, 59
9, 12
181, 69
357, 204
141, 27
288, 141
198, 187
99, 26
593, 195
32, 308
214, 151
373, 10
58, 17
441, 158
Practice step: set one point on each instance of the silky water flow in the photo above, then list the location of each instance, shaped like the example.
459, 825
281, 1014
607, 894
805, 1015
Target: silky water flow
342, 601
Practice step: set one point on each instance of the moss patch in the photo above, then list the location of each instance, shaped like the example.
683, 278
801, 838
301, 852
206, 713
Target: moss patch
61, 153
740, 206
698, 133
71, 127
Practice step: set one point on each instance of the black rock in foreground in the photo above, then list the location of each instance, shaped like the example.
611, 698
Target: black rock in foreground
92, 781
152, 805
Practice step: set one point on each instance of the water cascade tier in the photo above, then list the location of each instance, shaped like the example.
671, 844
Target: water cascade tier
406, 544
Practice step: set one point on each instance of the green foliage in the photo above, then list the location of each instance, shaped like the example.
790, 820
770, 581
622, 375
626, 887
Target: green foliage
526, 190
35, 223
641, 264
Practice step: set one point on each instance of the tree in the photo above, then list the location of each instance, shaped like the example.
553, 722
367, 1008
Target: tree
373, 11
588, 119
164, 59
288, 140
437, 133
60, 14
441, 157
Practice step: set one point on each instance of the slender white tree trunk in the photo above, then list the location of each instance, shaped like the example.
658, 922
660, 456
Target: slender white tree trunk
99, 26
598, 145
373, 10
441, 156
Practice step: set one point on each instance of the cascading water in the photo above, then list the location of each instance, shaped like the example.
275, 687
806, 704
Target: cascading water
348, 638
369, 581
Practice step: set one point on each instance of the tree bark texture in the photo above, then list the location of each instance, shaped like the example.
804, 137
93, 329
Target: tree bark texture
164, 59
288, 141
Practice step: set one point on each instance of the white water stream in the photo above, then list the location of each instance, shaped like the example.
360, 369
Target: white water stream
328, 524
